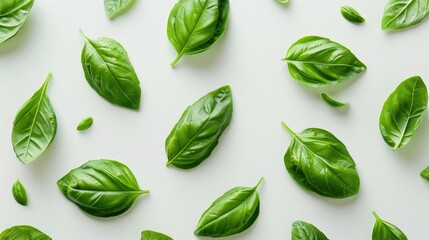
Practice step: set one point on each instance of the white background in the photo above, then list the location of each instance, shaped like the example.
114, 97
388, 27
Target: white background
248, 59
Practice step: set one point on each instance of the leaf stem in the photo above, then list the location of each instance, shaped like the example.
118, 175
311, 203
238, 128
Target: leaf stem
376, 216
176, 60
259, 182
47, 80
288, 129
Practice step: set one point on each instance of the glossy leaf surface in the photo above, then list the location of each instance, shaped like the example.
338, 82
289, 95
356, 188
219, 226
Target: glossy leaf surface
319, 162
403, 112
113, 8
401, 14
197, 132
332, 102
232, 213
384, 230
351, 14
195, 25
23, 232
425, 173
35, 126
102, 188
110, 73
13, 14
19, 193
305, 231
85, 124
317, 62
152, 235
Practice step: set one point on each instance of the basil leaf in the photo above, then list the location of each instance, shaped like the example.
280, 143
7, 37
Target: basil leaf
384, 230
13, 14
23, 232
282, 1
102, 188
152, 235
19, 193
425, 173
317, 62
332, 102
197, 132
401, 14
113, 8
232, 213
305, 231
403, 112
110, 73
85, 124
319, 162
351, 15
195, 25
35, 126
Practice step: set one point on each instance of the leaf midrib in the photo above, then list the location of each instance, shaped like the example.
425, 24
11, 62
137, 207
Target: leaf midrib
16, 8
400, 12
319, 63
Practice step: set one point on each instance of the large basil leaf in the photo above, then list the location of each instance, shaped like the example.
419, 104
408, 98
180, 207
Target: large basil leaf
233, 212
23, 232
305, 231
110, 73
197, 132
19, 193
403, 112
152, 235
384, 230
319, 162
102, 188
13, 14
401, 14
195, 25
114, 8
318, 62
35, 126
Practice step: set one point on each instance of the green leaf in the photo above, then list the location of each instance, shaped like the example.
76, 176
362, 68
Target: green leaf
332, 102
152, 235
198, 130
110, 73
35, 126
318, 62
305, 231
282, 1
403, 112
113, 8
85, 124
102, 188
351, 15
401, 14
425, 173
19, 193
195, 25
386, 231
232, 213
13, 14
319, 162
23, 232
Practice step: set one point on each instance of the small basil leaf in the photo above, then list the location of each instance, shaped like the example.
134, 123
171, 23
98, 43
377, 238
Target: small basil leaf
317, 62
305, 231
195, 25
23, 232
19, 193
85, 124
425, 173
35, 126
319, 162
401, 14
332, 102
403, 112
351, 15
198, 130
282, 1
384, 230
232, 213
152, 235
110, 73
13, 14
114, 8
102, 188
